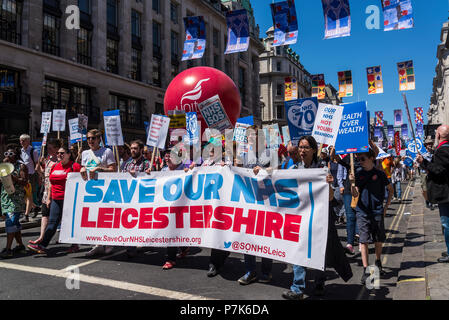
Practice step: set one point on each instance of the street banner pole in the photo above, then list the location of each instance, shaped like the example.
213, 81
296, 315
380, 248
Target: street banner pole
354, 200
410, 121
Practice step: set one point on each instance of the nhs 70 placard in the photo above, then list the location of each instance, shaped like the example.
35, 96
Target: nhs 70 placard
301, 116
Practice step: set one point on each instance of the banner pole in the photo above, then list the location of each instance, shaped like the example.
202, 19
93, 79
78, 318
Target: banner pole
410, 121
152, 158
117, 157
319, 149
354, 200
59, 135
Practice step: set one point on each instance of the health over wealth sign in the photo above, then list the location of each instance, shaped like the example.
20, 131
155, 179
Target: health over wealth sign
283, 216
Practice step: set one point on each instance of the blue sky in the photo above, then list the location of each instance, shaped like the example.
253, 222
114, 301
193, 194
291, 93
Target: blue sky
367, 48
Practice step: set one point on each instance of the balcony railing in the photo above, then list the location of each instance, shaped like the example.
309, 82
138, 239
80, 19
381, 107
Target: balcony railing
73, 109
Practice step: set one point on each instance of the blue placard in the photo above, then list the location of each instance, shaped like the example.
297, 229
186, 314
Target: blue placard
408, 162
193, 131
37, 146
412, 151
301, 115
247, 120
354, 129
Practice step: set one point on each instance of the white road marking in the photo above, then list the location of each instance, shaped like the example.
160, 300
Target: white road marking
163, 293
98, 260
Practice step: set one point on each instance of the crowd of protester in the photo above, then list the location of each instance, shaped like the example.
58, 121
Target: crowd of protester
40, 183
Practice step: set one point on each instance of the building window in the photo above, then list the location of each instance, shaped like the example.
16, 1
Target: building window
228, 70
174, 54
11, 21
278, 66
157, 6
157, 39
112, 56
84, 47
112, 13
158, 108
217, 64
174, 12
50, 35
130, 110
157, 69
279, 89
9, 86
74, 98
278, 51
135, 23
242, 84
215, 38
136, 64
279, 111
84, 6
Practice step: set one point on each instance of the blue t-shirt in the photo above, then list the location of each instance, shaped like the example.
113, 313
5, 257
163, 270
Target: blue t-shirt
371, 185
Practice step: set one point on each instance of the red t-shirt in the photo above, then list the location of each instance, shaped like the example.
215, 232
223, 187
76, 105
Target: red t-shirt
58, 178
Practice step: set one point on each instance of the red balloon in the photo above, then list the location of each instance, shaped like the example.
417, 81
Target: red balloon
194, 85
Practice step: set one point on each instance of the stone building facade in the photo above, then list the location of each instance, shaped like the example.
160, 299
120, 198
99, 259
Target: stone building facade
124, 56
439, 101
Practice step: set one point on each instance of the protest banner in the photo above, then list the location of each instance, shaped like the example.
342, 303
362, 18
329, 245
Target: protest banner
283, 216
285, 23
59, 120
46, 122
113, 128
75, 135
195, 42
390, 130
157, 132
327, 123
382, 154
301, 117
193, 127
397, 143
38, 147
353, 133
214, 114
82, 124
415, 147
285, 135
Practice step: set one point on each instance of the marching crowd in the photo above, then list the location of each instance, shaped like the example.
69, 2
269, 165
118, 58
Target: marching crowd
361, 190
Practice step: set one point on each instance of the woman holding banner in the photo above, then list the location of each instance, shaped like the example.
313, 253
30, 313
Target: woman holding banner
58, 179
53, 146
335, 255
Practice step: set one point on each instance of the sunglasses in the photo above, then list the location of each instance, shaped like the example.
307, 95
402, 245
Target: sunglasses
91, 138
304, 148
362, 159
60, 153
9, 154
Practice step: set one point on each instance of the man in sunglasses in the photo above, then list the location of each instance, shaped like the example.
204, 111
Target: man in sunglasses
97, 159
370, 184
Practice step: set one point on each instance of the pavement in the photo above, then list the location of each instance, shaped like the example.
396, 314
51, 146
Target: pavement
117, 277
421, 277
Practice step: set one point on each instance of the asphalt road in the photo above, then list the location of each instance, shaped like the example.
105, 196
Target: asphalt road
116, 277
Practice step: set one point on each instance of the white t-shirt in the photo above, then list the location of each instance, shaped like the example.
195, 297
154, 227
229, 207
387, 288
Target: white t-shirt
104, 158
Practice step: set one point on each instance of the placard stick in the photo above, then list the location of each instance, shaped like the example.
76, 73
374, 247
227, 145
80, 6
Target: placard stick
59, 134
354, 200
152, 157
319, 149
117, 157
411, 126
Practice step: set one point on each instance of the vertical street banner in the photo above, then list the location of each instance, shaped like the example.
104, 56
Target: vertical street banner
419, 113
379, 119
398, 14
113, 128
214, 114
282, 216
75, 135
82, 123
318, 86
327, 123
420, 130
291, 89
301, 115
193, 129
345, 84
390, 129
46, 122
59, 119
354, 129
397, 143
378, 133
157, 132
285, 22
238, 31
375, 81
404, 130
398, 119
195, 43
337, 18
406, 73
